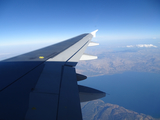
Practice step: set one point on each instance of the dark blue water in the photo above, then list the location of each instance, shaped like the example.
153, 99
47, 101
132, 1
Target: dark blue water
139, 92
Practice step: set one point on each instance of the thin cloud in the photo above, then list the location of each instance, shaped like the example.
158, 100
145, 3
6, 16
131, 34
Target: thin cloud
129, 46
146, 45
142, 45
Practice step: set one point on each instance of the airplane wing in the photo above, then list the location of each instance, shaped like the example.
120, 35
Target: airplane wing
42, 84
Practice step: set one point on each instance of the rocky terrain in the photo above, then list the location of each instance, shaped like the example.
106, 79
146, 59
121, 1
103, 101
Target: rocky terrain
99, 110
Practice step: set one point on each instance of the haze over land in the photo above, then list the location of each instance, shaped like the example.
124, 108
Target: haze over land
121, 58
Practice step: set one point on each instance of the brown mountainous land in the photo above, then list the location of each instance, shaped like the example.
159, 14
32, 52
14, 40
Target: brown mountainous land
99, 110
111, 61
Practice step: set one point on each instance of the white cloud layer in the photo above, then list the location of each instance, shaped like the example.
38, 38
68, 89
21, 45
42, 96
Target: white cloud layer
129, 46
146, 45
142, 45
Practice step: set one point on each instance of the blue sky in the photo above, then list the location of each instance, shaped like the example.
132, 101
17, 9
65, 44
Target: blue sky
43, 21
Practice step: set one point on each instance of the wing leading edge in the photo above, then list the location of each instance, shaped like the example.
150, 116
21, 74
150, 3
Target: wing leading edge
43, 84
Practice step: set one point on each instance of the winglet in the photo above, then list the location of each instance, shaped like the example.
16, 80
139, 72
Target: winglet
94, 33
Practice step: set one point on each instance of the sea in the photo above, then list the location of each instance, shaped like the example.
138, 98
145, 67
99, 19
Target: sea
137, 91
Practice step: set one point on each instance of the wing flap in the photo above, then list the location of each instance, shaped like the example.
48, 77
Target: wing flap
42, 106
49, 80
69, 102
